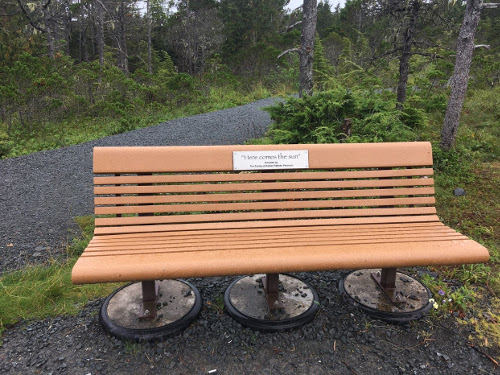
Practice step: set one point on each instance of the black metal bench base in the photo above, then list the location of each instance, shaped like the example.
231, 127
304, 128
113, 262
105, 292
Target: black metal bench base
403, 300
252, 302
124, 314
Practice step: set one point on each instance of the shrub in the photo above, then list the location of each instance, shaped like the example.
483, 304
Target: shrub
320, 118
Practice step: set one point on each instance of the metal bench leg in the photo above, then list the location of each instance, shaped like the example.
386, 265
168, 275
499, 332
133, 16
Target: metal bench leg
150, 310
271, 302
386, 294
386, 281
271, 288
149, 300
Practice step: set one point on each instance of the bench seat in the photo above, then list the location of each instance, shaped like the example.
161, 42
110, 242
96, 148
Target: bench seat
216, 252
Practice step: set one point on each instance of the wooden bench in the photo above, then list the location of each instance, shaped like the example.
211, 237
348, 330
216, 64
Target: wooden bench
185, 212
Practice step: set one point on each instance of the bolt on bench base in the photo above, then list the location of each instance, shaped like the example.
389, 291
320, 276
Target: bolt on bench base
407, 301
122, 313
246, 301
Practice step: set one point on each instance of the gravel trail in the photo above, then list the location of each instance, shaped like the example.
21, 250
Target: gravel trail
42, 192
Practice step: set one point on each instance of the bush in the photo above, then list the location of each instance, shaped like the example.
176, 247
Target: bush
320, 118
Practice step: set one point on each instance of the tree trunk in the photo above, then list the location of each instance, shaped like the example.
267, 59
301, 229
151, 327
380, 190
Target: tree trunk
459, 81
48, 23
310, 11
122, 40
67, 27
148, 15
82, 35
404, 61
99, 16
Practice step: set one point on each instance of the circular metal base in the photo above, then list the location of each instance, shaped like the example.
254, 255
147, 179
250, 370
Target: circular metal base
245, 301
360, 287
179, 303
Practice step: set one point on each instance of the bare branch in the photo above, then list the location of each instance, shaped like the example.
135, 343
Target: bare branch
428, 55
28, 16
491, 5
443, 20
482, 46
426, 44
294, 25
386, 53
103, 6
288, 51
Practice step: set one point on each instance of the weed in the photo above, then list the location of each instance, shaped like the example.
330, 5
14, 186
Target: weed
116, 112
449, 298
217, 305
132, 348
487, 325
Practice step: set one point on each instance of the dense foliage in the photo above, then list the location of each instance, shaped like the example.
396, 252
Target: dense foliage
322, 118
73, 70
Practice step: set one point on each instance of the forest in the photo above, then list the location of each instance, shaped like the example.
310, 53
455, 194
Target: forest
74, 70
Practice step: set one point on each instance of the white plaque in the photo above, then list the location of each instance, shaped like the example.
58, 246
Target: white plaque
258, 160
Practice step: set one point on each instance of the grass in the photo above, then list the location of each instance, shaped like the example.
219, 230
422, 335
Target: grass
474, 166
41, 291
477, 299
71, 131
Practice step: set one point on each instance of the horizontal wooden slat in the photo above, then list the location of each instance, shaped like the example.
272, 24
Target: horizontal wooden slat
243, 216
249, 235
272, 238
283, 205
107, 230
280, 260
219, 158
251, 186
225, 177
319, 226
271, 246
282, 195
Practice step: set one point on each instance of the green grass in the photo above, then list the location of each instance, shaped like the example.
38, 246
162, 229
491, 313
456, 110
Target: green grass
474, 166
71, 131
41, 291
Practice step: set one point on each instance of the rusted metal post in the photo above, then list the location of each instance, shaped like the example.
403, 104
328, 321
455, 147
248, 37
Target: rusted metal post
386, 281
388, 278
271, 289
149, 300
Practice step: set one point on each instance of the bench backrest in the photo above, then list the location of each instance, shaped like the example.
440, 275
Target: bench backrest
148, 189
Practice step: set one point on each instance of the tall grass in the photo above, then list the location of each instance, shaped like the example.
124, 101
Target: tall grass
116, 114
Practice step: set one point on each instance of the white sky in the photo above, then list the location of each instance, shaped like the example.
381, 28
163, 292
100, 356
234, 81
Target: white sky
292, 5
296, 3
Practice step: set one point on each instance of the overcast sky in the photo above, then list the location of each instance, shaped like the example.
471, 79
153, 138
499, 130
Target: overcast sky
292, 5
296, 3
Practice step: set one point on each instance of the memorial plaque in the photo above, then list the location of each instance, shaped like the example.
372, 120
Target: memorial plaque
261, 160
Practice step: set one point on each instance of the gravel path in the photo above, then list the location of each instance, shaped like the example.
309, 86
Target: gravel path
41, 193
